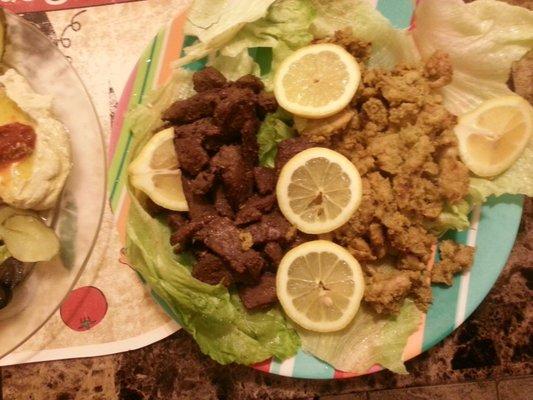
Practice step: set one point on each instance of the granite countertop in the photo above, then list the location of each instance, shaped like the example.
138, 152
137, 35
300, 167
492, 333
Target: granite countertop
490, 357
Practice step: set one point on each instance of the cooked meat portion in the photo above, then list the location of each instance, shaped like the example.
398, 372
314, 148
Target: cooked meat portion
236, 175
250, 147
184, 234
251, 82
400, 137
265, 180
261, 295
272, 228
254, 208
358, 48
191, 155
266, 103
234, 107
222, 237
288, 149
438, 70
274, 253
454, 259
211, 269
199, 205
176, 220
203, 182
207, 79
233, 224
222, 204
184, 111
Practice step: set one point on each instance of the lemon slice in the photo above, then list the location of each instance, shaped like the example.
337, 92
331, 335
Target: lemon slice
320, 286
492, 137
156, 172
318, 190
317, 81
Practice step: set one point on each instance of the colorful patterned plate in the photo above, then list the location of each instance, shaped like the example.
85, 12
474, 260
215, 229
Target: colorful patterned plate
493, 227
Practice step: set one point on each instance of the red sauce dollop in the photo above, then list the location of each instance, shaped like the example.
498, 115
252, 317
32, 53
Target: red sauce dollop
17, 141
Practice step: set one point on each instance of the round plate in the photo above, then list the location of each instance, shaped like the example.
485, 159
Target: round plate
493, 227
77, 216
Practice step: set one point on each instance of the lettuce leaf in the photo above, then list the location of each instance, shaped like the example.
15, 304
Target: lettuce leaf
518, 179
215, 318
284, 27
146, 117
483, 38
274, 129
389, 46
235, 67
212, 315
216, 22
369, 339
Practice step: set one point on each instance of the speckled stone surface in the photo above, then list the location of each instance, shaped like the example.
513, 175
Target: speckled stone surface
490, 357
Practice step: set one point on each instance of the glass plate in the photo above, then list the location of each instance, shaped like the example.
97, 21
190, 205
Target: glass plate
78, 214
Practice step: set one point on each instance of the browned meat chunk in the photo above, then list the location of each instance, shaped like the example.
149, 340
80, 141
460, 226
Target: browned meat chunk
259, 296
265, 180
222, 205
191, 109
274, 253
234, 107
191, 155
272, 228
199, 206
266, 103
455, 258
211, 269
236, 176
251, 82
176, 220
202, 128
254, 208
222, 237
207, 79
250, 147
203, 182
185, 233
288, 149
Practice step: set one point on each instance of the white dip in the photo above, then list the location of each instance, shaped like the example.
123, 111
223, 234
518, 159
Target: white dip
36, 182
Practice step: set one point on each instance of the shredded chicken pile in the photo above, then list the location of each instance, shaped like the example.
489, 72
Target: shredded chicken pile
400, 137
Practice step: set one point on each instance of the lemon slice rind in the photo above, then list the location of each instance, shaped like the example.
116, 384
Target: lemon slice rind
145, 177
350, 83
469, 126
322, 281
353, 187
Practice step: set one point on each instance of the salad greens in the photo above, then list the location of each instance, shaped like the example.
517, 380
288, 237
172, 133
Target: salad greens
274, 129
389, 46
284, 27
213, 316
483, 39
368, 340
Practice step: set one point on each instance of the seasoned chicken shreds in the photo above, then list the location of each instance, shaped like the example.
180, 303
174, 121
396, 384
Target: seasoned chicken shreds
360, 49
402, 142
438, 70
454, 258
